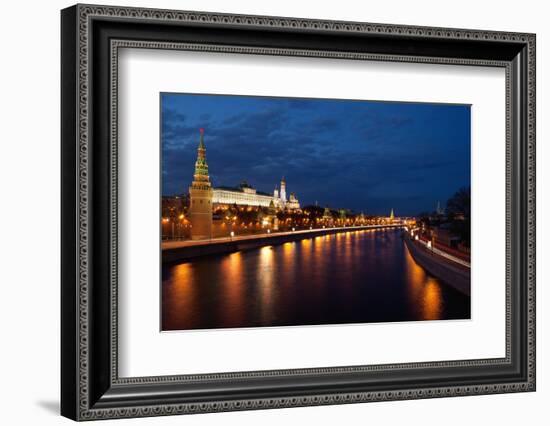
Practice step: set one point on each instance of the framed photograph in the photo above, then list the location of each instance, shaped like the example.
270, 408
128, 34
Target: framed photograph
263, 212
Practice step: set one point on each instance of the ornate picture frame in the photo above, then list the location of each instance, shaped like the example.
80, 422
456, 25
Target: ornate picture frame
91, 37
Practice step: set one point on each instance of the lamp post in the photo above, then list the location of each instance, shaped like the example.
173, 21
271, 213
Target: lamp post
180, 225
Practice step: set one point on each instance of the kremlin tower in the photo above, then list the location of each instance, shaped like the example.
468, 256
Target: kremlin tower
282, 194
200, 192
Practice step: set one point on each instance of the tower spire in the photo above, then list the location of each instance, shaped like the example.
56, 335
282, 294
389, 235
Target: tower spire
201, 167
282, 192
200, 194
201, 141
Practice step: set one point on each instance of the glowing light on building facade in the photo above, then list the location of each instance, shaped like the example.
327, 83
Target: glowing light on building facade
246, 195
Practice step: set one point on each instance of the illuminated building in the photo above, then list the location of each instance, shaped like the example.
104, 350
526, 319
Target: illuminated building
272, 216
243, 195
327, 217
246, 195
280, 200
283, 191
392, 217
292, 203
200, 193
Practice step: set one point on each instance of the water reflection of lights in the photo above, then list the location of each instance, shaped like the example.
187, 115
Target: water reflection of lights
266, 259
181, 292
182, 282
431, 302
424, 290
233, 285
319, 249
266, 279
289, 251
297, 280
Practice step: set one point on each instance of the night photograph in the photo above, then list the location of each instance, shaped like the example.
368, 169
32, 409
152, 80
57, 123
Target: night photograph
293, 211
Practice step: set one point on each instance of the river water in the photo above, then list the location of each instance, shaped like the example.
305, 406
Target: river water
349, 277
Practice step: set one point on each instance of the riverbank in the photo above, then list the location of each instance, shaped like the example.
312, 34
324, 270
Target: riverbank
180, 251
449, 272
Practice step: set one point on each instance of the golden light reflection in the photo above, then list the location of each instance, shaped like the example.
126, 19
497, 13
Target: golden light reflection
266, 279
431, 302
289, 250
306, 246
262, 285
348, 255
181, 293
319, 251
233, 287
424, 290
266, 259
181, 281
289, 260
339, 240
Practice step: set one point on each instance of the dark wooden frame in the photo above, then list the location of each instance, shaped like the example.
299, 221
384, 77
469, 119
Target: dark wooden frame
90, 386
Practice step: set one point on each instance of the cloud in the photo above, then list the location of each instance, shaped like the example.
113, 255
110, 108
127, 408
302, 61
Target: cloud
339, 153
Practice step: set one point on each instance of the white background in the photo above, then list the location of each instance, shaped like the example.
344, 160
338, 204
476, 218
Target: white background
146, 352
29, 176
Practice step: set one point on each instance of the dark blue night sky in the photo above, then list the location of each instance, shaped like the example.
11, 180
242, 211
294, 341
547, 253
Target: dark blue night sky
362, 155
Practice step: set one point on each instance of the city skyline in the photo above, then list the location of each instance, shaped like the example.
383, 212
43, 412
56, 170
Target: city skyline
362, 155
